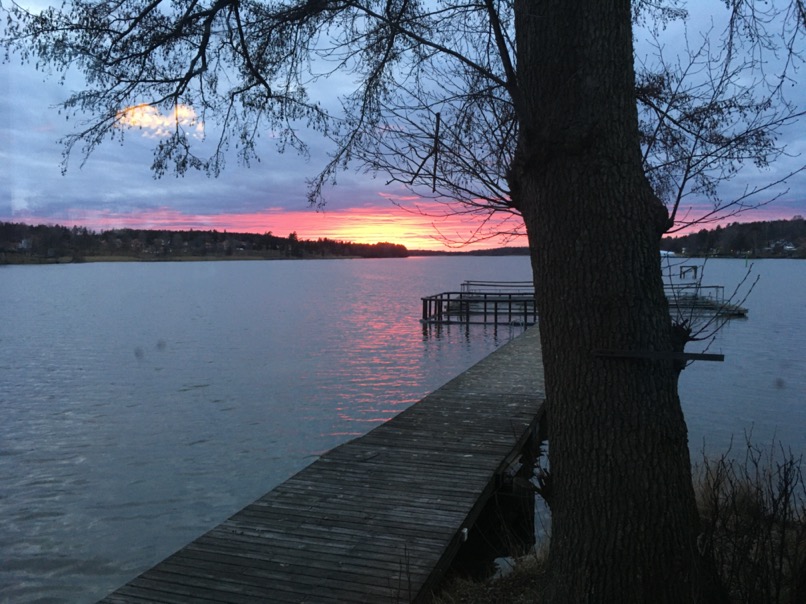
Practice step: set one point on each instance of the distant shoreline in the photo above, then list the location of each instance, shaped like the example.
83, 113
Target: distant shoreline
16, 260
55, 244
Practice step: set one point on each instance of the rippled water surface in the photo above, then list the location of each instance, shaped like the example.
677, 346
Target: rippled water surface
144, 403
760, 388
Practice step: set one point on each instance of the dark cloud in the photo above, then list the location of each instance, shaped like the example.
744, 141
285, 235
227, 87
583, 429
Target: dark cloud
118, 176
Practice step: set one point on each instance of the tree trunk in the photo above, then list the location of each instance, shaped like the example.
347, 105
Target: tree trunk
624, 519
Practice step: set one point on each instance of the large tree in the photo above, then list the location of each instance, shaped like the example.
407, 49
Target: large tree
624, 522
525, 107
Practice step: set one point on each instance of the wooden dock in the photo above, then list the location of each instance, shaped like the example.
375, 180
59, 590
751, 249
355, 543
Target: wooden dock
691, 300
513, 302
483, 302
378, 519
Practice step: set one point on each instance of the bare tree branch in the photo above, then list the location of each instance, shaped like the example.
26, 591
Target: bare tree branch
251, 66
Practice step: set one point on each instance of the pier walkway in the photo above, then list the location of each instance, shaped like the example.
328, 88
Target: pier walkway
378, 519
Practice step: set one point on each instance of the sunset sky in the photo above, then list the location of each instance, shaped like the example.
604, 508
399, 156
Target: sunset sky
115, 187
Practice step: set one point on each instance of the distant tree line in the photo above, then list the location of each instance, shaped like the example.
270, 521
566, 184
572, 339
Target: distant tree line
20, 243
769, 239
497, 251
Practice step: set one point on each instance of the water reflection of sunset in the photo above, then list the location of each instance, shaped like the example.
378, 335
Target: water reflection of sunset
380, 370
370, 224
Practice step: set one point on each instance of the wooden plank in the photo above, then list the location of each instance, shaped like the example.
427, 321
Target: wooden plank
353, 511
376, 556
381, 550
377, 519
659, 355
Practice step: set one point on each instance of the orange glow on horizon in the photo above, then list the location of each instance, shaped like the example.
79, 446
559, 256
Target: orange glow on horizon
370, 224
358, 225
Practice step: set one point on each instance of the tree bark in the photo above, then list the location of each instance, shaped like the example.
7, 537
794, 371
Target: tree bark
624, 518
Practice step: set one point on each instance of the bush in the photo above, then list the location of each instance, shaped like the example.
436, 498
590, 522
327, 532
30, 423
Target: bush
753, 515
753, 530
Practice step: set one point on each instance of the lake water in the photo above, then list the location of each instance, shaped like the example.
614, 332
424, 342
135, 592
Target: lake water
144, 403
760, 388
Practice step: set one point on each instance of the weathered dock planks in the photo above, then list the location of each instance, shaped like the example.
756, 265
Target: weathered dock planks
378, 519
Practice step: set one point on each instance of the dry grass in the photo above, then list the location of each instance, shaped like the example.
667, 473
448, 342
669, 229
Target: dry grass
753, 514
518, 586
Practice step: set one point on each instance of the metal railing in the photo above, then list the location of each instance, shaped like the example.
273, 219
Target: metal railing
523, 287
512, 307
704, 299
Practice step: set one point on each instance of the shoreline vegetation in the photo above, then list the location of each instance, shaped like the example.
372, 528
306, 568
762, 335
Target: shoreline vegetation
22, 243
55, 244
765, 239
752, 507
